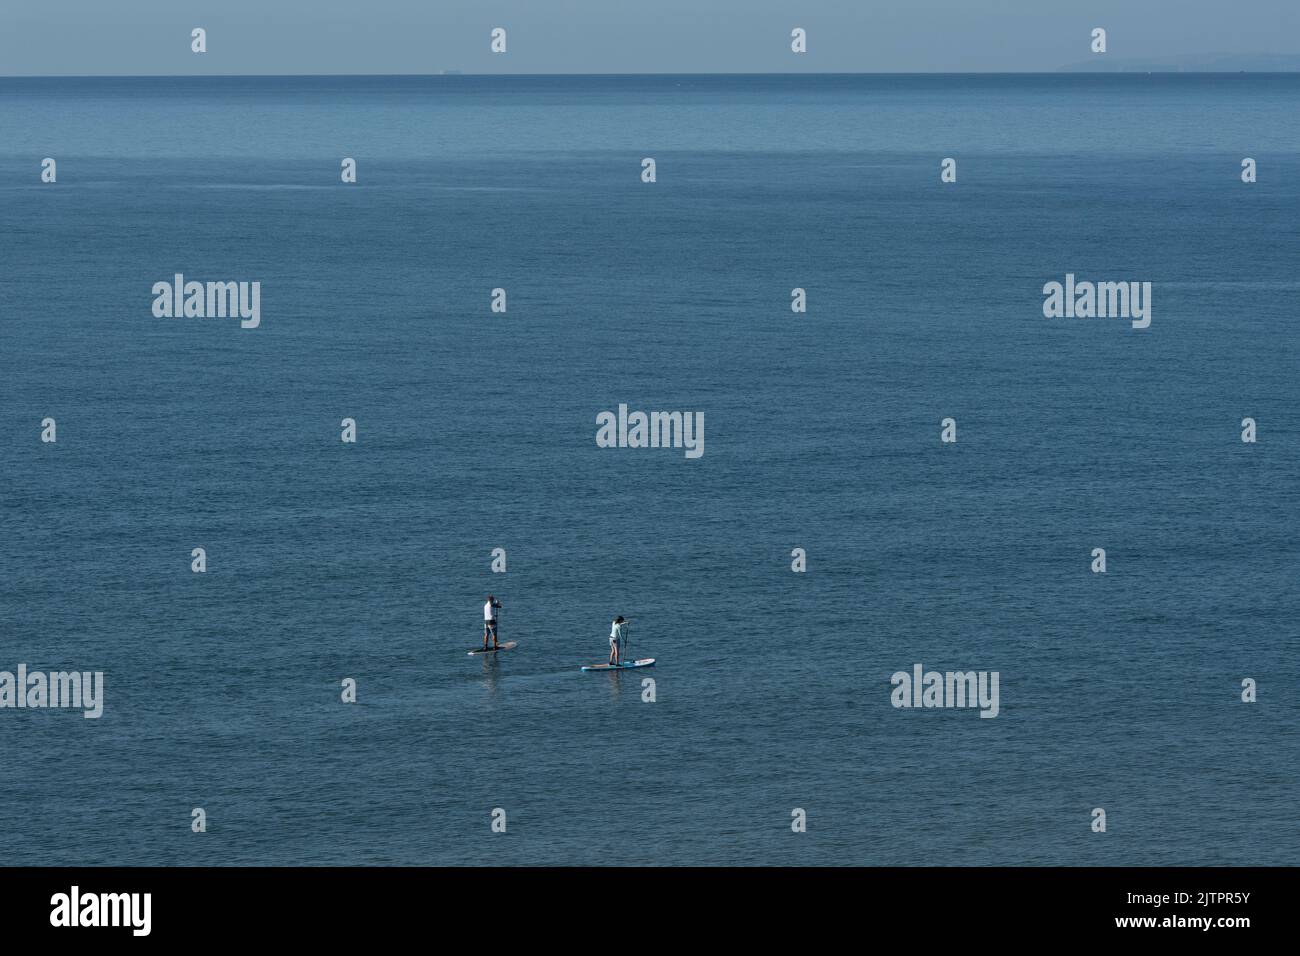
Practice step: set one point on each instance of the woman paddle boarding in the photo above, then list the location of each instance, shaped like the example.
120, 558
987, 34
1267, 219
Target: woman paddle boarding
617, 635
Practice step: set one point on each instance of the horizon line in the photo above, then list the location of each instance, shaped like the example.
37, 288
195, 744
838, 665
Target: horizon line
453, 73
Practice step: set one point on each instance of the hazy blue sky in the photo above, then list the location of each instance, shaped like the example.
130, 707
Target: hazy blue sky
48, 37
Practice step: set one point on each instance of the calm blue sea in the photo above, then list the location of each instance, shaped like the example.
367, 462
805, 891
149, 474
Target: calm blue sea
477, 431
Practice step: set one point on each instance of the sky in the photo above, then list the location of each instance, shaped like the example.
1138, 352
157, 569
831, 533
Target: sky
141, 37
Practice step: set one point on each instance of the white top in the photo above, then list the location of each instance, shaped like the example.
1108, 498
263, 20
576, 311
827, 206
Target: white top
616, 630
489, 612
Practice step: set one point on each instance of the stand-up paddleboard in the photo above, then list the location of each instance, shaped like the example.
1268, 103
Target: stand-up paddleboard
492, 650
644, 662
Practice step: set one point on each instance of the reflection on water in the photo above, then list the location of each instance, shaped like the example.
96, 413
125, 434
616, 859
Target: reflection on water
491, 673
613, 682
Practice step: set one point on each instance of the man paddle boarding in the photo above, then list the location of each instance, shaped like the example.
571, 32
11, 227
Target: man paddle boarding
617, 634
490, 621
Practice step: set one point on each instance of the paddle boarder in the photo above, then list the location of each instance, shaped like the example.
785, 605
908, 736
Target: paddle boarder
617, 634
490, 621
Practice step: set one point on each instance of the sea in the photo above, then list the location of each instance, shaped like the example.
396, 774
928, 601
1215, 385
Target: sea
1162, 691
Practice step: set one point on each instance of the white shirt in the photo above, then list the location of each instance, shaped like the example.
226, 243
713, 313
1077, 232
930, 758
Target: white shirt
489, 612
616, 630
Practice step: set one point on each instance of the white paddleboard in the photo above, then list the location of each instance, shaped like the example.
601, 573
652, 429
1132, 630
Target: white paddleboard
492, 650
625, 666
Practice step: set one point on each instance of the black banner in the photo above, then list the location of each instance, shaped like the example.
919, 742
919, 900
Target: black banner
331, 905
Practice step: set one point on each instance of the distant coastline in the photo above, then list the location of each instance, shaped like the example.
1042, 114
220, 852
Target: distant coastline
1190, 63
